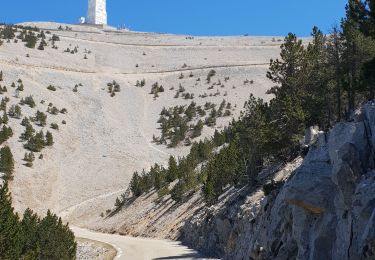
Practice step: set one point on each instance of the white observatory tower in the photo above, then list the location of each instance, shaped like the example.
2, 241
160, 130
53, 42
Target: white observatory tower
97, 12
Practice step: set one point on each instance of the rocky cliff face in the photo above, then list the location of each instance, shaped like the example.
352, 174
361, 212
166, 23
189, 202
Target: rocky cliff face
325, 209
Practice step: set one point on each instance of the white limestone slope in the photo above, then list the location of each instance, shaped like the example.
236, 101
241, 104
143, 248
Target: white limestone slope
107, 138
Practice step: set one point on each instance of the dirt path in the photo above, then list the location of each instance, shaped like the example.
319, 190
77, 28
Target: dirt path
140, 248
171, 71
196, 45
68, 211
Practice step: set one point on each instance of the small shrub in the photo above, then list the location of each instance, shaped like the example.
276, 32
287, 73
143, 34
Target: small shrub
55, 126
51, 87
20, 87
211, 74
28, 101
29, 157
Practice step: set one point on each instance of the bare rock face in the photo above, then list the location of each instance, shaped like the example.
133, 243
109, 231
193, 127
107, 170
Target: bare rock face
311, 134
325, 210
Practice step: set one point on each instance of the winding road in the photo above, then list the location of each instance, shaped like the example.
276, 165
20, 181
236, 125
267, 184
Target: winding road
130, 248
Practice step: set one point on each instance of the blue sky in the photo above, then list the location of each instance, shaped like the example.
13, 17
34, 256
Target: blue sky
197, 17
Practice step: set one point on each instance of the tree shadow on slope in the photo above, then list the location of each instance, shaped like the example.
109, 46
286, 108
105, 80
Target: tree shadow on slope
128, 201
184, 256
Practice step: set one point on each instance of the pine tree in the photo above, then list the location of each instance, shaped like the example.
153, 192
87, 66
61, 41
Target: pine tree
358, 49
356, 14
32, 238
5, 118
11, 111
30, 40
10, 237
6, 162
218, 138
135, 185
29, 131
25, 121
369, 67
41, 118
49, 139
289, 75
118, 203
41, 46
29, 157
29, 232
56, 241
371, 18
288, 71
20, 87
5, 134
208, 191
3, 104
29, 101
17, 111
334, 56
172, 171
197, 131
317, 88
369, 78
159, 176
35, 143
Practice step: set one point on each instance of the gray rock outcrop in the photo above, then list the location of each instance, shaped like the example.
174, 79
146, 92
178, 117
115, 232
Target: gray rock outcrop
325, 209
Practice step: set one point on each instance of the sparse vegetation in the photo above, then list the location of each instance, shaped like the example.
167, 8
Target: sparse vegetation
308, 90
141, 83
28, 101
156, 89
113, 88
176, 124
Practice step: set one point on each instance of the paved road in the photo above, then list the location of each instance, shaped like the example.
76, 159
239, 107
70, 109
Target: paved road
130, 248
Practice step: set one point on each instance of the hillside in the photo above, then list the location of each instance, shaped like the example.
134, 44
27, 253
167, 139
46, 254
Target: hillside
106, 138
159, 146
323, 209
